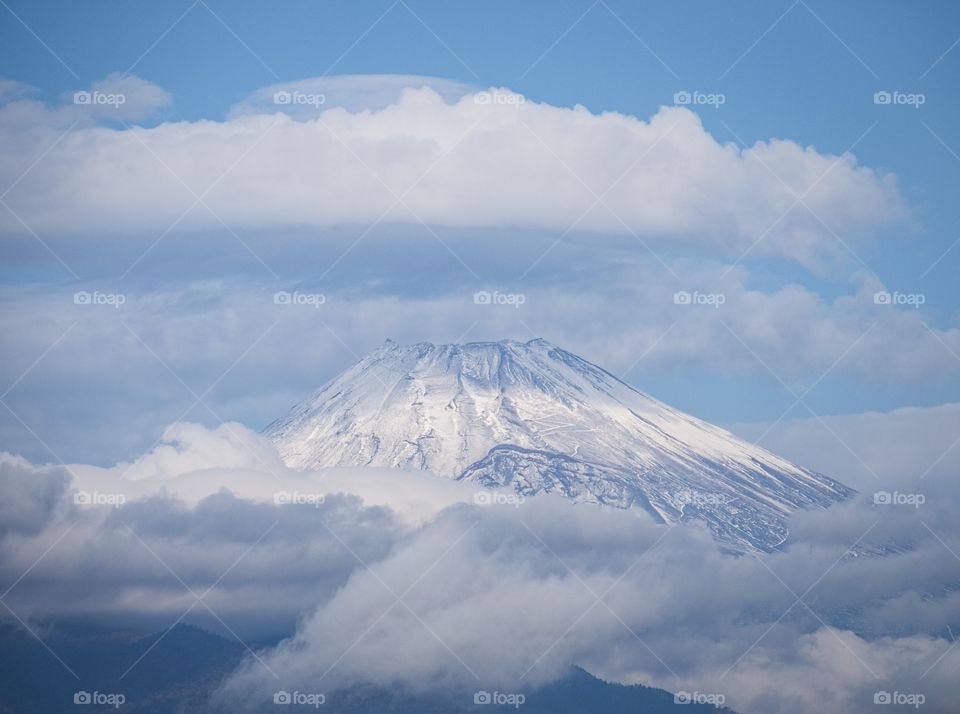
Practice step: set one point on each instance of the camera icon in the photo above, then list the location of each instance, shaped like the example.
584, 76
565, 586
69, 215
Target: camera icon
82, 98
282, 697
82, 498
882, 698
281, 498
483, 297
482, 698
282, 97
282, 298
483, 498
882, 97
82, 298
682, 98
882, 498
682, 298
682, 698
82, 698
483, 98
882, 298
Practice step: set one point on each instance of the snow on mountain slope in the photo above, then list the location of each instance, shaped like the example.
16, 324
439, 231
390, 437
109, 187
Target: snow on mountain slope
537, 418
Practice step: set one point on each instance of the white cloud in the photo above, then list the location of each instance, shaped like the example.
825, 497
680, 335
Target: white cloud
501, 604
24, 117
908, 448
30, 495
491, 160
193, 463
11, 89
120, 97
201, 328
489, 595
187, 448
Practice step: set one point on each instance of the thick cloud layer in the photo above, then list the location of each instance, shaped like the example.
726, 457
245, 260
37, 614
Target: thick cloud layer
512, 597
864, 599
870, 450
235, 337
489, 159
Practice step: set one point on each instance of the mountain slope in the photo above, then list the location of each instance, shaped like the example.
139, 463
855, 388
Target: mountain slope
186, 667
537, 418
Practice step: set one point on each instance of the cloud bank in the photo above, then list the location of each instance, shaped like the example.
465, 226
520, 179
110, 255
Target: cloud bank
491, 159
467, 597
201, 328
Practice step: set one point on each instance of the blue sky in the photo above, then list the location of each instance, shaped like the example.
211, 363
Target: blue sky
803, 72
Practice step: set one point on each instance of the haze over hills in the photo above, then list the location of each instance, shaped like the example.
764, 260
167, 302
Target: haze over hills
186, 667
537, 419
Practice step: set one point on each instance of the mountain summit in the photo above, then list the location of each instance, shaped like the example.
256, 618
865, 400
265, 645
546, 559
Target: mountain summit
538, 419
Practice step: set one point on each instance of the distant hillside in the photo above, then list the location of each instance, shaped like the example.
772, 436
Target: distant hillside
180, 670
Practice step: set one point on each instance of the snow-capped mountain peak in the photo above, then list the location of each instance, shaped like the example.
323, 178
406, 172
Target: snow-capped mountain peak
534, 417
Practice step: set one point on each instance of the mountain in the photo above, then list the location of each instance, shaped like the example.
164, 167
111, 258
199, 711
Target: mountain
538, 419
183, 668
169, 672
575, 693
